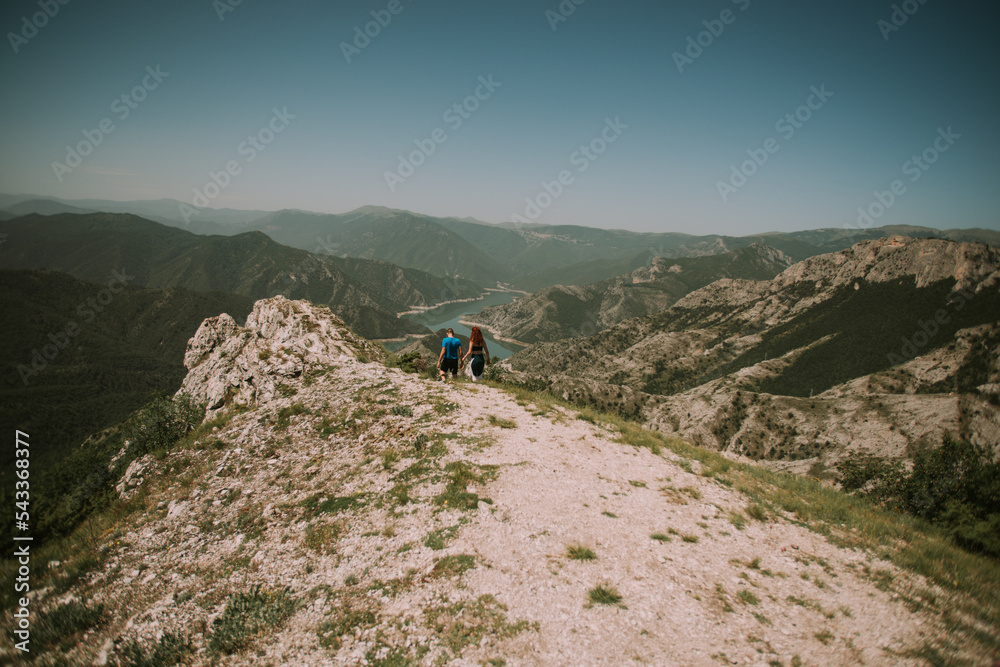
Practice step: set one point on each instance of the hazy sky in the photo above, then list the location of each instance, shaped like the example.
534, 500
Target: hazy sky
729, 116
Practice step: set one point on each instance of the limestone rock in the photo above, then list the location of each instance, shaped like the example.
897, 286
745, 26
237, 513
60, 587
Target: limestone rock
232, 365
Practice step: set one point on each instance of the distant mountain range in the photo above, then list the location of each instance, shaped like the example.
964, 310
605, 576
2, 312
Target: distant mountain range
367, 294
164, 211
677, 342
394, 236
529, 257
885, 347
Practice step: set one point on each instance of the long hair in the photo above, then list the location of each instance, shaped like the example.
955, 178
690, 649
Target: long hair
476, 338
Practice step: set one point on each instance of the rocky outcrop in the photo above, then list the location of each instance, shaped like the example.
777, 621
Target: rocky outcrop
972, 265
232, 365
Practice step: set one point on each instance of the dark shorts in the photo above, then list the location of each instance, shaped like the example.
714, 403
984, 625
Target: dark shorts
449, 365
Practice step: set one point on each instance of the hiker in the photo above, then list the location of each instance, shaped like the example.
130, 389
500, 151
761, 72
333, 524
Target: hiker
479, 352
451, 355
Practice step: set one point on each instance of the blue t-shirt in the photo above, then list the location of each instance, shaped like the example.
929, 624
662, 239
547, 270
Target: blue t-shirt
451, 347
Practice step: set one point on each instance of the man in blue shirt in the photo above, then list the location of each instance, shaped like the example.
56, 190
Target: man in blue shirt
450, 357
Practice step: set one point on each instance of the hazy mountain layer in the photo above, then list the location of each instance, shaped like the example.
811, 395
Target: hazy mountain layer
530, 256
402, 238
566, 312
366, 294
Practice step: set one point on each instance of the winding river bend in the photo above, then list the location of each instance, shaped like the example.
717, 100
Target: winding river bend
448, 315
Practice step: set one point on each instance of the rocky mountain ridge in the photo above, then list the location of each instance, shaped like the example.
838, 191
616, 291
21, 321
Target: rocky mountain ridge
562, 312
336, 511
830, 356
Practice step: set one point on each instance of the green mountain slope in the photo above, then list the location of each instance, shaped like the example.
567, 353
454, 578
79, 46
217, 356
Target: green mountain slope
79, 357
89, 247
855, 331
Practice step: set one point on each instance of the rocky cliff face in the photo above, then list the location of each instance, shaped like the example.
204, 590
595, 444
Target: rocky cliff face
346, 513
893, 413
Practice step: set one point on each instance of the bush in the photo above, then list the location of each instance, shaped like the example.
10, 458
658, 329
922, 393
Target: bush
160, 424
411, 362
955, 486
493, 373
81, 483
247, 616
880, 480
605, 595
170, 650
61, 626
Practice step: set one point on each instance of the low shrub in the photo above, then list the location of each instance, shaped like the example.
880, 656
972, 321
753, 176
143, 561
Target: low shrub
955, 486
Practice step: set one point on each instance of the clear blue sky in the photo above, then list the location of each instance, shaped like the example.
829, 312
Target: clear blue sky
557, 87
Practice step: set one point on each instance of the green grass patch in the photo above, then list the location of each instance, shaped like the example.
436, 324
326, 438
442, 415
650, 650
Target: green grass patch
460, 475
453, 566
321, 503
284, 416
320, 537
501, 422
824, 636
343, 620
605, 595
171, 649
471, 622
438, 539
60, 628
580, 552
757, 511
